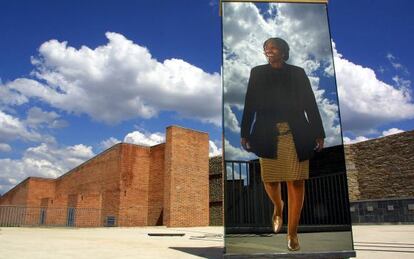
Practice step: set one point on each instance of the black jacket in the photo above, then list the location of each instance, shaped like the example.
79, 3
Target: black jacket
261, 106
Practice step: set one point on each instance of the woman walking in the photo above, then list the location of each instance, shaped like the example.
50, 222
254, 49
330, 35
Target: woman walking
281, 124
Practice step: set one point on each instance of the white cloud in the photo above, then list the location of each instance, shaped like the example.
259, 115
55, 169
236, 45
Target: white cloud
385, 133
396, 65
245, 29
120, 80
401, 82
37, 117
12, 128
391, 131
10, 97
233, 173
367, 102
230, 120
381, 70
150, 139
5, 147
213, 3
213, 149
144, 139
355, 140
61, 158
235, 153
105, 144
329, 70
45, 160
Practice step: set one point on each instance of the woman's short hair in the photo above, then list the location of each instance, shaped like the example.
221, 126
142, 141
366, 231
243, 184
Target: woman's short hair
281, 44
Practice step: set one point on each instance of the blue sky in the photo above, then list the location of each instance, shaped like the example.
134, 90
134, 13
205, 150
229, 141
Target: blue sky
377, 36
78, 76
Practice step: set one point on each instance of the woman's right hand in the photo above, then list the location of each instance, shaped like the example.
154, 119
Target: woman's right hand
245, 144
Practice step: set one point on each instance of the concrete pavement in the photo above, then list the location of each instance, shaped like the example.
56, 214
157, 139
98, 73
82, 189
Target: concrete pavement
102, 243
384, 241
370, 241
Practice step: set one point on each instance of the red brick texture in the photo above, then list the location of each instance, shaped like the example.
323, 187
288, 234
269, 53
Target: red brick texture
135, 167
156, 186
166, 184
186, 192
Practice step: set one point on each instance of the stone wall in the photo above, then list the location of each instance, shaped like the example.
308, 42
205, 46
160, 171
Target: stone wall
380, 176
381, 168
216, 191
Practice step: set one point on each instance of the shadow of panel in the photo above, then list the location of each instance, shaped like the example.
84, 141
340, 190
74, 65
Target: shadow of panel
206, 252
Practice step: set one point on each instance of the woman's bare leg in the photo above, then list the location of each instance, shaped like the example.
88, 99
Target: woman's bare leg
274, 192
296, 195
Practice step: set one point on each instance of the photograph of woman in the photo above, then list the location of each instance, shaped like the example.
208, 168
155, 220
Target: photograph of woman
282, 125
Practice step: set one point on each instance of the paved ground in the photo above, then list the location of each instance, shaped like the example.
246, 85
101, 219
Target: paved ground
374, 241
384, 241
91, 243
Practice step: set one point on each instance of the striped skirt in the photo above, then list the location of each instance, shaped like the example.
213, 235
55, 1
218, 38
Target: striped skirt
286, 167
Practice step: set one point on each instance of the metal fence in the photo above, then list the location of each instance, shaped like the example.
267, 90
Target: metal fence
20, 216
249, 210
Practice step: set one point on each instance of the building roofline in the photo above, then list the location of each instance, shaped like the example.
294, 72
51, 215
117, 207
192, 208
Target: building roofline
87, 161
15, 187
41, 178
26, 180
78, 166
98, 155
382, 137
157, 145
105, 151
181, 127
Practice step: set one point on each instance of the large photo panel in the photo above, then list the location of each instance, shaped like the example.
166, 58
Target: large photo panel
285, 177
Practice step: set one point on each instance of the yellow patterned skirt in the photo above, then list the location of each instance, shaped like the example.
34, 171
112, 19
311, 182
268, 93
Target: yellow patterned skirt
286, 167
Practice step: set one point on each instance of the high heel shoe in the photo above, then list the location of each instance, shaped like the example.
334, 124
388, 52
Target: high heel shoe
293, 243
277, 221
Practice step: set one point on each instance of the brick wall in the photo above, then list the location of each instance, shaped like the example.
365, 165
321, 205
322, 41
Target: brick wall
186, 194
135, 167
17, 195
167, 184
94, 184
156, 186
39, 188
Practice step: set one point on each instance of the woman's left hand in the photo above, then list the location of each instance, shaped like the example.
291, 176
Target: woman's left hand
319, 144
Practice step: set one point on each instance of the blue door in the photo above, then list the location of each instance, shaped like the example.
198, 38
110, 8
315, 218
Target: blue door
42, 216
71, 217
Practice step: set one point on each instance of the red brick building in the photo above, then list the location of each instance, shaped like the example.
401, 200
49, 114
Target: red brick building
166, 184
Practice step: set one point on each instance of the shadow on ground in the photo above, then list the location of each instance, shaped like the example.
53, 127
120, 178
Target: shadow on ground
207, 252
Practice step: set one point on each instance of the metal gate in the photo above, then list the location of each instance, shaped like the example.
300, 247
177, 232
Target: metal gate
326, 205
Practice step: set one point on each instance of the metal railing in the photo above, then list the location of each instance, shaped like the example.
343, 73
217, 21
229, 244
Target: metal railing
20, 216
249, 210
